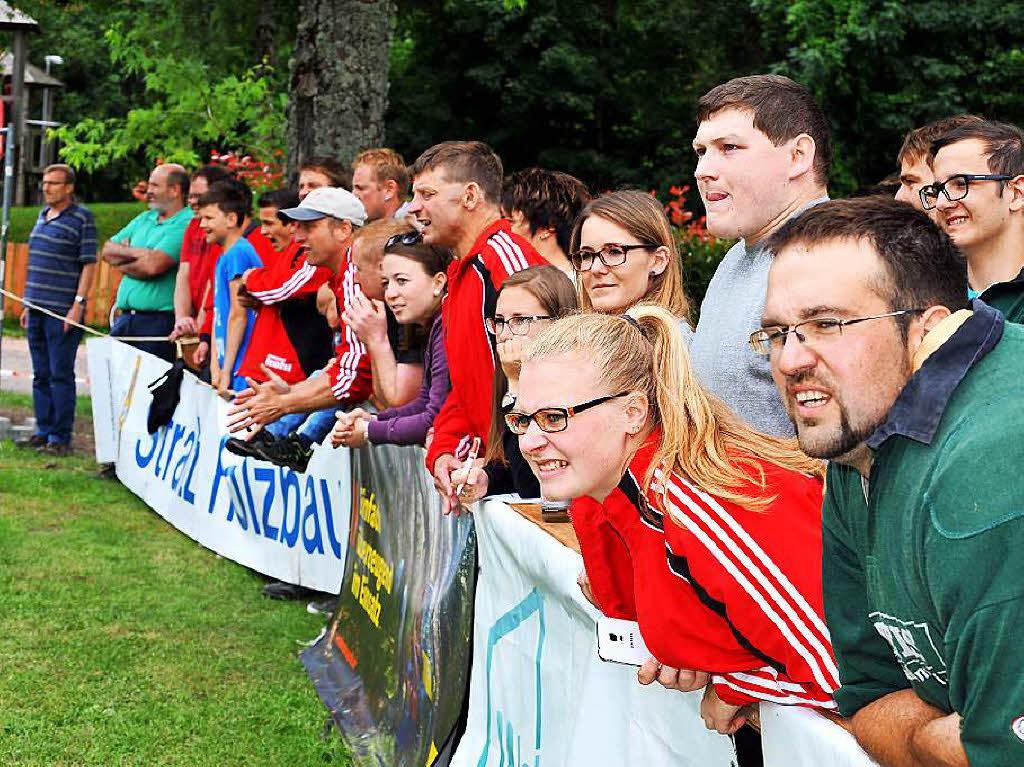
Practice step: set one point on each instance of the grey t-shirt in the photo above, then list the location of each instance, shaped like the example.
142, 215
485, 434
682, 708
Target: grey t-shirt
721, 354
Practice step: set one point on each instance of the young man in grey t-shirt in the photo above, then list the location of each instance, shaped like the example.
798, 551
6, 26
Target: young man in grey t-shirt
764, 154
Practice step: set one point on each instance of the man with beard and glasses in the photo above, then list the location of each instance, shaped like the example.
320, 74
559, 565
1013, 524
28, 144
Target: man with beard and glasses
885, 370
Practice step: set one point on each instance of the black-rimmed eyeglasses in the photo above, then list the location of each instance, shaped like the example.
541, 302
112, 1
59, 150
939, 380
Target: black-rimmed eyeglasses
955, 187
519, 326
612, 254
810, 332
552, 419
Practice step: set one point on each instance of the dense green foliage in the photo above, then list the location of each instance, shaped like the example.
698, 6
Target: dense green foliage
125, 642
604, 90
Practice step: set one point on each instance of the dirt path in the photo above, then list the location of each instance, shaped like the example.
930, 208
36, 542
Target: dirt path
16, 367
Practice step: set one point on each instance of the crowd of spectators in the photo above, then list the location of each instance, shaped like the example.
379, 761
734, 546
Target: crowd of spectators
806, 497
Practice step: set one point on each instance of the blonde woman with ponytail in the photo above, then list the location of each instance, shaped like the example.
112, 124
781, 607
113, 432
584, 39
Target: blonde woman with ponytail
704, 531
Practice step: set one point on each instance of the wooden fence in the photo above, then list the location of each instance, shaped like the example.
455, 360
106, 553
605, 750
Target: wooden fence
101, 297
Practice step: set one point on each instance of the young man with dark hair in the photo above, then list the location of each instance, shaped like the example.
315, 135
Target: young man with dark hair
223, 210
198, 256
978, 200
763, 155
381, 182
542, 206
915, 157
61, 262
456, 199
147, 252
319, 172
908, 392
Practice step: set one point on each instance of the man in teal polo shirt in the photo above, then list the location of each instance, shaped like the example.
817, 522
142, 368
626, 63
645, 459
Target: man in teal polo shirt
914, 397
147, 252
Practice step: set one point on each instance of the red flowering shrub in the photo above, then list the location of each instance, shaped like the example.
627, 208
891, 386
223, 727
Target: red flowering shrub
259, 175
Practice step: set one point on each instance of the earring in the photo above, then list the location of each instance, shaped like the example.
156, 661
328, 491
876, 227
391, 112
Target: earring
437, 293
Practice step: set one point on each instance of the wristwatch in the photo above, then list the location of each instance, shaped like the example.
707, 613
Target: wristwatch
80, 300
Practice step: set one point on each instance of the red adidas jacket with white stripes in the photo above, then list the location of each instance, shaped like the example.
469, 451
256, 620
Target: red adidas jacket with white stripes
473, 285
349, 372
716, 587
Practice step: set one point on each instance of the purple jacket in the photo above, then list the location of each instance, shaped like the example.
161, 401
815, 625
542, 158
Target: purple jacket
408, 424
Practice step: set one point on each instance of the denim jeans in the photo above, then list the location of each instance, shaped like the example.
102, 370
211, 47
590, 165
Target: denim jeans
147, 324
315, 426
53, 375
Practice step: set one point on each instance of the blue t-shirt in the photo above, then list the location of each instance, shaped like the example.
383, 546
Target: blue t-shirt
231, 264
58, 249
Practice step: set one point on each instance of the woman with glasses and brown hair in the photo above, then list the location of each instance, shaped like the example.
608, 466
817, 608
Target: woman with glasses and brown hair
624, 252
529, 300
704, 531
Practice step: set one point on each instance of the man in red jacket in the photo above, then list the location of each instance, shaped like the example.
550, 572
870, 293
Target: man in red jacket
456, 202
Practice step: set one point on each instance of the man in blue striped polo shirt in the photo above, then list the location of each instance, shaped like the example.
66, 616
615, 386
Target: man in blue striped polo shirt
61, 261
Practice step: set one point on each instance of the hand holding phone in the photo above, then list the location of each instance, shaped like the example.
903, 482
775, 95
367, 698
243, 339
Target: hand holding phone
619, 641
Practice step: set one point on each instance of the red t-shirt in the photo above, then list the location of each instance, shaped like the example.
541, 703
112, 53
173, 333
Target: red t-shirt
201, 256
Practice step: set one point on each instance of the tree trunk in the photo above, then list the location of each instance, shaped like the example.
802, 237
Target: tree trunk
339, 79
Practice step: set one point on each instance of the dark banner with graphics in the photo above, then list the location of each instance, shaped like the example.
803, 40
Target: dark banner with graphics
394, 664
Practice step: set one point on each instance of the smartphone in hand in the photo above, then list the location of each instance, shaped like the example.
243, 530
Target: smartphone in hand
619, 641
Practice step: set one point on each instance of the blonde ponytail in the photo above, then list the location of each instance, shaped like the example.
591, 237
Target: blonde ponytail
702, 439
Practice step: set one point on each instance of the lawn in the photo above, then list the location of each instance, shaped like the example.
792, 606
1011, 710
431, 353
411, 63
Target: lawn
125, 642
110, 218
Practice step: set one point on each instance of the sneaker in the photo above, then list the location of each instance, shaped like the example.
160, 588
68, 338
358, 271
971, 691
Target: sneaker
35, 442
250, 448
326, 607
282, 590
57, 449
289, 452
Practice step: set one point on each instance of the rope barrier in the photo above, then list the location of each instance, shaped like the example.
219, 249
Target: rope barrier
177, 342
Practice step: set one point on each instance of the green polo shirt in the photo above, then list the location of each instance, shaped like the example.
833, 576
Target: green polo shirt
1007, 297
923, 565
145, 231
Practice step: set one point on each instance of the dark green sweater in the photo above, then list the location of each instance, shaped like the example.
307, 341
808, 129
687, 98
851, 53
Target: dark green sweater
924, 580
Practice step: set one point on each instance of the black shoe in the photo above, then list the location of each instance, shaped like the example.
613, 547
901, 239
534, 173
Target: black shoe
289, 452
250, 448
57, 449
327, 607
108, 471
282, 590
36, 442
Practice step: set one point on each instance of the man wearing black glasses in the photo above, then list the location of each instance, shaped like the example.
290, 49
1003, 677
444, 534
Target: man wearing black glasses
978, 199
912, 397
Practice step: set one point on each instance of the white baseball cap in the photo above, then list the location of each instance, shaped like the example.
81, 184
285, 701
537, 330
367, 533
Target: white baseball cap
327, 201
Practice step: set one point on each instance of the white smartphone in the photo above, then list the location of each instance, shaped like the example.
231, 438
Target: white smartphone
619, 641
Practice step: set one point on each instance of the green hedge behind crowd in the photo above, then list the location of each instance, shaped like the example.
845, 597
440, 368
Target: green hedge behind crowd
110, 218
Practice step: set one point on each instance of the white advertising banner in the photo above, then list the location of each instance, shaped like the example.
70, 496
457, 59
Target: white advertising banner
290, 526
539, 695
798, 737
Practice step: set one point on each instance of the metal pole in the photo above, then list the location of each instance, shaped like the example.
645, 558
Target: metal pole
5, 216
18, 114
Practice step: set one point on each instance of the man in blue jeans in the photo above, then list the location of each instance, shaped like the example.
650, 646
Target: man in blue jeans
61, 261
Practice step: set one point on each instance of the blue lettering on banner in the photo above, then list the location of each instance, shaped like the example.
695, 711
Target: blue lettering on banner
509, 743
173, 451
162, 456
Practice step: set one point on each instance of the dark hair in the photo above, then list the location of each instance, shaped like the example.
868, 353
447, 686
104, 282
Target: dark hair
387, 165
922, 266
213, 173
1004, 145
230, 196
465, 161
918, 143
432, 258
337, 174
279, 198
783, 109
546, 198
556, 293
67, 170
179, 178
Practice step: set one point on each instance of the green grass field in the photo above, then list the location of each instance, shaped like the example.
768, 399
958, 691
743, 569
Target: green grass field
125, 642
110, 219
